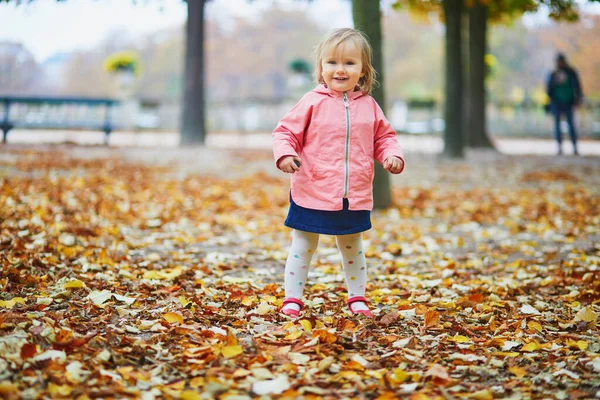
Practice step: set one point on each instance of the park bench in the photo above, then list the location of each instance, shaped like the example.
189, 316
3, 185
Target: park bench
56, 113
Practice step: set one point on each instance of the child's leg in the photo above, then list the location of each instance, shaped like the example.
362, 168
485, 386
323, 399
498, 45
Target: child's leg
304, 245
355, 266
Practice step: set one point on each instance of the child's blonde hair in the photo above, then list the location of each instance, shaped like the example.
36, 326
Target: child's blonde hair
332, 40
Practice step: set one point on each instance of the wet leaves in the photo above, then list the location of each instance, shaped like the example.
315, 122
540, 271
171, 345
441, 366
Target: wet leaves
124, 280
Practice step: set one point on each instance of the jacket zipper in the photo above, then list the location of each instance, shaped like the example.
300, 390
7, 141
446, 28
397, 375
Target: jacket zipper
347, 153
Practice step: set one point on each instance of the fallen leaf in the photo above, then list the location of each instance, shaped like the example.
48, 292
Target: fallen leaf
28, 350
485, 394
271, 386
579, 344
534, 326
586, 314
432, 318
439, 375
99, 297
12, 302
298, 358
529, 310
232, 351
306, 325
531, 346
390, 318
74, 284
190, 395
518, 371
173, 318
459, 339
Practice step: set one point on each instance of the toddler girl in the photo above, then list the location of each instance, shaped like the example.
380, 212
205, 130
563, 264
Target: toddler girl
328, 142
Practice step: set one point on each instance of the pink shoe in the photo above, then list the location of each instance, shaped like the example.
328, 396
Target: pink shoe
292, 312
351, 300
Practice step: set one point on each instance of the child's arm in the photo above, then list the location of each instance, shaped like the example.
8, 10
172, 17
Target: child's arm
288, 136
387, 150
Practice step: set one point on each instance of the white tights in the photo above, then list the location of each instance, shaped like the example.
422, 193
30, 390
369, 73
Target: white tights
304, 245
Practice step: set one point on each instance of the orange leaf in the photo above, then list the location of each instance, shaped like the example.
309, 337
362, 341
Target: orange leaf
324, 336
231, 339
476, 297
421, 309
432, 318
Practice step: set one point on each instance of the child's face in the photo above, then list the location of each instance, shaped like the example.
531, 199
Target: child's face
342, 66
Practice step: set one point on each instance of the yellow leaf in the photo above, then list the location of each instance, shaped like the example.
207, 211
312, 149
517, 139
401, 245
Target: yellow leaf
400, 375
152, 275
75, 284
518, 371
59, 390
11, 303
270, 299
306, 325
580, 344
531, 346
460, 339
346, 375
197, 382
8, 389
482, 395
575, 304
534, 326
165, 274
248, 300
232, 351
190, 395
377, 374
506, 354
263, 308
184, 302
294, 335
172, 317
586, 314
179, 385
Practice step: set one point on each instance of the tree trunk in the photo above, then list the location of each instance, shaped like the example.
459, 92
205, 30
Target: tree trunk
193, 129
367, 17
477, 135
453, 134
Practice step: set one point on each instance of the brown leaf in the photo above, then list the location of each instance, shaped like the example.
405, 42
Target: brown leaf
438, 374
390, 318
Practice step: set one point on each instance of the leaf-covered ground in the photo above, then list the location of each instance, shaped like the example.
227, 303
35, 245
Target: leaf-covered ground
139, 273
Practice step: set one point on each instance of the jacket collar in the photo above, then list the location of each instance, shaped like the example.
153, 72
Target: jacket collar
322, 89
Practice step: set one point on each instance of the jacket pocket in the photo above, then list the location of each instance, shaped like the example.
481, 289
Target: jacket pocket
366, 168
318, 169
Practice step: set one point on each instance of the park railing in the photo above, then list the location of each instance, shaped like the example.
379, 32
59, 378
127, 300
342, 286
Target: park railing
261, 114
417, 116
56, 113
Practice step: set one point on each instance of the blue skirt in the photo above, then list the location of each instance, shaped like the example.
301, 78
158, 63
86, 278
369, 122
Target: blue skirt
343, 222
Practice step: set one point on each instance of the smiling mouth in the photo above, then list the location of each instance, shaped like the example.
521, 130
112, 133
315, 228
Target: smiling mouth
341, 79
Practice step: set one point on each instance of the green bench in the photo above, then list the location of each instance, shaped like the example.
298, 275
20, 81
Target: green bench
56, 113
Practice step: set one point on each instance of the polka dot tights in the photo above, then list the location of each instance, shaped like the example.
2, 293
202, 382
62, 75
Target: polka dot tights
304, 245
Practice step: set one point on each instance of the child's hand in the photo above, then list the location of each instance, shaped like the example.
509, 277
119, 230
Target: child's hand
393, 164
290, 164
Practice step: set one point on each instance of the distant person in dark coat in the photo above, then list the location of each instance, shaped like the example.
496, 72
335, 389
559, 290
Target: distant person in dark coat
565, 94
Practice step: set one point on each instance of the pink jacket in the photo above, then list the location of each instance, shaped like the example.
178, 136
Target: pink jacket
337, 136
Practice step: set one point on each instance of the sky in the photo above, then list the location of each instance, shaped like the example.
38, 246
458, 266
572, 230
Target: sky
47, 27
